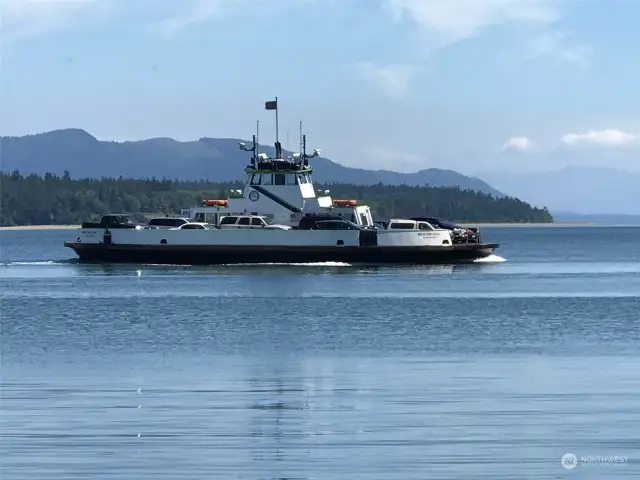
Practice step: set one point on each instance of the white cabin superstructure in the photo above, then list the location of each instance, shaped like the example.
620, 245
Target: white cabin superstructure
281, 189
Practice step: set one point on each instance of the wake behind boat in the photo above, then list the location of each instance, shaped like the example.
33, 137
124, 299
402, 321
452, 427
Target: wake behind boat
278, 218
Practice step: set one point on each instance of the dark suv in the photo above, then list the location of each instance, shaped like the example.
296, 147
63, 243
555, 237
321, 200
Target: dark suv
166, 222
335, 225
326, 222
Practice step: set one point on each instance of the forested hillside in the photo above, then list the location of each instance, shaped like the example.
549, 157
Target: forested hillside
50, 199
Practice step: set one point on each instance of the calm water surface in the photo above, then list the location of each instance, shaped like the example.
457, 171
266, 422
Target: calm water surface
492, 370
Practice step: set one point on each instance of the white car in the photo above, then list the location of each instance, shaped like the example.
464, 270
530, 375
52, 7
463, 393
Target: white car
195, 226
249, 221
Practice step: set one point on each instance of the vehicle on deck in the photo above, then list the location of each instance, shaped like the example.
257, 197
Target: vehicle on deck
460, 234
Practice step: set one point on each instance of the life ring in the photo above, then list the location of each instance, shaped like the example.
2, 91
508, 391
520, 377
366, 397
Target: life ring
215, 203
345, 203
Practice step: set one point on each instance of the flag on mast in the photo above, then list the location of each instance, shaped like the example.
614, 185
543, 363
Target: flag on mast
273, 105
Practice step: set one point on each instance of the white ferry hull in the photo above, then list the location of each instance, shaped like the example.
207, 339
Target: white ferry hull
215, 247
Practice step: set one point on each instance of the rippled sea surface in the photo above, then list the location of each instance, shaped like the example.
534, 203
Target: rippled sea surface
493, 370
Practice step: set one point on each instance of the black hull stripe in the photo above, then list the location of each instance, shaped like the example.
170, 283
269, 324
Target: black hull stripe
278, 200
228, 254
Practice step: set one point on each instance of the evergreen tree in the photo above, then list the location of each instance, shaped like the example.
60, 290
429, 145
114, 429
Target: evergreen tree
36, 200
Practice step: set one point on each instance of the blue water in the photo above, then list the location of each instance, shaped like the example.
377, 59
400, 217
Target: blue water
490, 370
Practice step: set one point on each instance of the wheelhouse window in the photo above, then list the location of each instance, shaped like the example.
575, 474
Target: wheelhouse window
266, 179
255, 179
292, 179
278, 178
302, 179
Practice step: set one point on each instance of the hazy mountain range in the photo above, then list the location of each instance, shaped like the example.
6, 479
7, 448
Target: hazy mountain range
574, 190
602, 219
569, 193
215, 159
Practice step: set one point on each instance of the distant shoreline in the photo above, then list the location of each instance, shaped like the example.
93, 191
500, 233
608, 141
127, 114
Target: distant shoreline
464, 224
550, 225
41, 227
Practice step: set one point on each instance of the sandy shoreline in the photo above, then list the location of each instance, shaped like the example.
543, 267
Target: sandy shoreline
550, 225
480, 225
41, 227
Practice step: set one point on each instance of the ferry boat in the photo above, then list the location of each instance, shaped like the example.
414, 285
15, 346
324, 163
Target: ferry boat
278, 218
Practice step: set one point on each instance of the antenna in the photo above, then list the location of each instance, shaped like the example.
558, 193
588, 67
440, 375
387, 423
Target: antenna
253, 150
277, 120
243, 146
304, 151
257, 137
300, 139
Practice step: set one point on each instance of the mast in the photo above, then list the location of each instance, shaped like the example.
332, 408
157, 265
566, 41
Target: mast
254, 158
257, 141
305, 159
273, 105
300, 139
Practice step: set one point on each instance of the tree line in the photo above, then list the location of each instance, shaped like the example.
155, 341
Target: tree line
62, 200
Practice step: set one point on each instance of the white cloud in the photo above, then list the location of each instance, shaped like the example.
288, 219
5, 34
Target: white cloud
517, 143
196, 11
453, 20
443, 22
23, 18
604, 138
394, 80
553, 44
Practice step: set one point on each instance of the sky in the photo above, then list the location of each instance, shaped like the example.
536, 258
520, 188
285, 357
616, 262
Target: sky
469, 85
